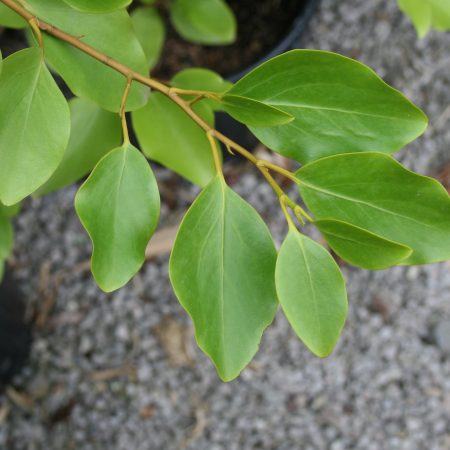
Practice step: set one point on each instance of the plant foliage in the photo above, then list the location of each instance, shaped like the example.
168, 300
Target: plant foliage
427, 14
333, 115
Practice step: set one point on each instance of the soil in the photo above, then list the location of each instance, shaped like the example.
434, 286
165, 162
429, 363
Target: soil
261, 25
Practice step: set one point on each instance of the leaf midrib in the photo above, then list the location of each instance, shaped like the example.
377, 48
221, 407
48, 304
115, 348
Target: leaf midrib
339, 110
116, 201
370, 205
353, 241
311, 286
222, 269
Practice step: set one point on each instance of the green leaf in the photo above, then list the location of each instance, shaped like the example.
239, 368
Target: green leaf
311, 290
6, 238
426, 14
98, 6
167, 135
94, 132
119, 207
209, 22
202, 80
34, 125
151, 32
361, 247
339, 105
10, 211
222, 270
10, 19
111, 34
254, 113
6, 232
374, 192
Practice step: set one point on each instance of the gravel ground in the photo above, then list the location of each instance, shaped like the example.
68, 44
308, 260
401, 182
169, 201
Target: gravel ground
122, 371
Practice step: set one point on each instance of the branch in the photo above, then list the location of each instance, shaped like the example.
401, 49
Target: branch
172, 93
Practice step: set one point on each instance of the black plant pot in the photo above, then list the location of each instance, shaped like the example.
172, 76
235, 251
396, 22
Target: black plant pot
236, 130
15, 330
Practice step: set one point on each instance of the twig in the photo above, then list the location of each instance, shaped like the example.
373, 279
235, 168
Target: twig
172, 93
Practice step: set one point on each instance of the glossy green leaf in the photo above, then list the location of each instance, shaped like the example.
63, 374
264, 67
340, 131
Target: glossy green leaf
34, 125
111, 34
94, 132
119, 207
209, 22
98, 6
167, 135
254, 113
426, 14
222, 270
10, 19
361, 247
202, 80
311, 291
10, 211
6, 238
151, 32
375, 192
339, 105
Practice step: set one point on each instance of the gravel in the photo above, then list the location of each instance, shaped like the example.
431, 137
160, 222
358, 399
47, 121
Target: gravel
122, 371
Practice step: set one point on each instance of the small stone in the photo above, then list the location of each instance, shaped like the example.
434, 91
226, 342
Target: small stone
39, 386
122, 333
85, 345
144, 372
441, 334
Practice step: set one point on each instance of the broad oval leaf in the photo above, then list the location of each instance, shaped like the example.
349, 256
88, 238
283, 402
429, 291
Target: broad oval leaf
98, 6
426, 14
94, 132
118, 206
34, 125
361, 247
168, 135
10, 211
110, 33
209, 22
339, 104
222, 270
10, 19
311, 291
254, 113
202, 80
151, 32
375, 192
